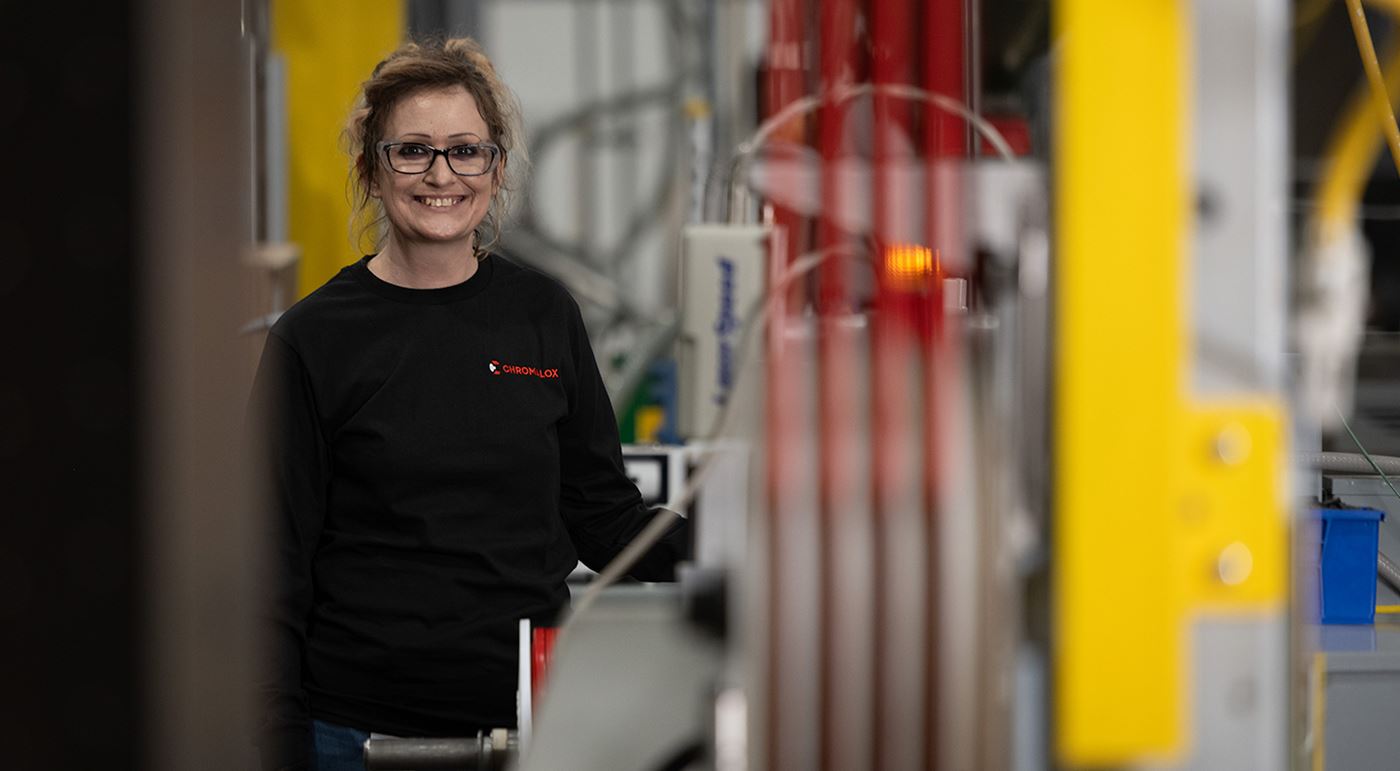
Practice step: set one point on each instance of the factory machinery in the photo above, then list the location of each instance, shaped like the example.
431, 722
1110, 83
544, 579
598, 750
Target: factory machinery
1001, 397
987, 442
1015, 434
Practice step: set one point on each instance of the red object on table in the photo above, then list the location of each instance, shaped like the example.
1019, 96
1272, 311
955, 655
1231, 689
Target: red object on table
541, 654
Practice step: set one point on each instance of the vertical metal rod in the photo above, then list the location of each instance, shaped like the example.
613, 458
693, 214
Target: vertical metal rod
586, 32
785, 82
846, 686
622, 34
794, 640
945, 72
901, 590
836, 22
945, 137
972, 76
930, 328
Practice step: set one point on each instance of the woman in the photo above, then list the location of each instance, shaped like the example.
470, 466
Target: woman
443, 449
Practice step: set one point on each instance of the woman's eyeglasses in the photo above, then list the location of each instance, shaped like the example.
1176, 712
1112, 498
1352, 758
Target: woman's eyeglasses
470, 160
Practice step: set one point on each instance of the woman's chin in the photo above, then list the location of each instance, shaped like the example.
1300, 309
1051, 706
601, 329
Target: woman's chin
438, 239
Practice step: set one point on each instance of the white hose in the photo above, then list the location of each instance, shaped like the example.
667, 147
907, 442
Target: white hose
1349, 463
1388, 571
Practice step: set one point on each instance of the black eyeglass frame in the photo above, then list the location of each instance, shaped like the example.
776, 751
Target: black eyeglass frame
495, 153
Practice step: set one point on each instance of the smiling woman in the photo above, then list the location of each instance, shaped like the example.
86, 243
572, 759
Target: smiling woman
433, 209
442, 450
422, 101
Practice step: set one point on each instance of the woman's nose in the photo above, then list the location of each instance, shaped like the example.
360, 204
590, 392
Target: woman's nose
439, 172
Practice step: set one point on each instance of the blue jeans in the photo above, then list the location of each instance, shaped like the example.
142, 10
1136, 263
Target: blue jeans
337, 747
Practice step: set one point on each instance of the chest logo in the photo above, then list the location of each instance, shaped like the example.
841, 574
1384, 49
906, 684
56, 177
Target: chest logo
497, 368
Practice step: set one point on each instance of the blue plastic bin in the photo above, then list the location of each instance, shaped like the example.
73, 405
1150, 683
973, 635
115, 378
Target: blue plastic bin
1347, 569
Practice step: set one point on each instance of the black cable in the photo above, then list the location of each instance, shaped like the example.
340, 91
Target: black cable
685, 757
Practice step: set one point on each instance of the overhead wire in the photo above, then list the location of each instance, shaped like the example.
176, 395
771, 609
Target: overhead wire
1351, 150
1379, 95
845, 94
1375, 466
743, 152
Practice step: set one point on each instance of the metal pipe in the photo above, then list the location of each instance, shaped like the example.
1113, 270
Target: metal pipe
734, 94
943, 38
945, 72
901, 591
836, 20
787, 737
586, 76
785, 84
972, 69
484, 752
659, 196
846, 677
1388, 571
1349, 463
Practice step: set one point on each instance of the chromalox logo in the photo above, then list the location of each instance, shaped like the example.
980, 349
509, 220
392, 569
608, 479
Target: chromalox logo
498, 368
725, 327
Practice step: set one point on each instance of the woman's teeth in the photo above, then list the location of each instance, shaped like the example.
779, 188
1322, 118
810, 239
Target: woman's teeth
440, 202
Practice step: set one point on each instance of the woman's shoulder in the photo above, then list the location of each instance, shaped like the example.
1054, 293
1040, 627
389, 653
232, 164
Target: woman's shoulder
321, 306
529, 285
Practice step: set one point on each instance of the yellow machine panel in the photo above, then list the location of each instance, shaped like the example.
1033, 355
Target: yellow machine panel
1163, 508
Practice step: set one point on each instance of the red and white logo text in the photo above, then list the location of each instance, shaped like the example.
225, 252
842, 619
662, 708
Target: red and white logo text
497, 368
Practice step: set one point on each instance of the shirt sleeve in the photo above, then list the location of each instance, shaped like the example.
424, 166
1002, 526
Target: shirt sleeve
297, 465
601, 506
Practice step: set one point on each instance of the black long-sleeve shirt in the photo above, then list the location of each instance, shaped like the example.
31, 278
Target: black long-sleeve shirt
440, 460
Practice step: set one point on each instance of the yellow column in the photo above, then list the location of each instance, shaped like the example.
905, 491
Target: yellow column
1163, 509
329, 48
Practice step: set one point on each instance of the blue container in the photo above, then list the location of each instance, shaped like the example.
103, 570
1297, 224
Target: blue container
1347, 573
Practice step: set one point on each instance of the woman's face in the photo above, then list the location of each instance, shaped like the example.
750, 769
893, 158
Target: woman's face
436, 206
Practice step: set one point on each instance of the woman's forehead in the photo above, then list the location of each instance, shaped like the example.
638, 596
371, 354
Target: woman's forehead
443, 113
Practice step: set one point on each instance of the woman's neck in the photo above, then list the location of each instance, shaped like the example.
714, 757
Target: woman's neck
424, 266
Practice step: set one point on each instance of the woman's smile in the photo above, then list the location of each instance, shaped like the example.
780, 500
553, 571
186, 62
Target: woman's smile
439, 202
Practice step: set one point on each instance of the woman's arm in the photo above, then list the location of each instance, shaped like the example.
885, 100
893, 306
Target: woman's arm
297, 463
600, 505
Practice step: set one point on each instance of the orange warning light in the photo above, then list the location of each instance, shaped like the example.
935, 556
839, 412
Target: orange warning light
909, 266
